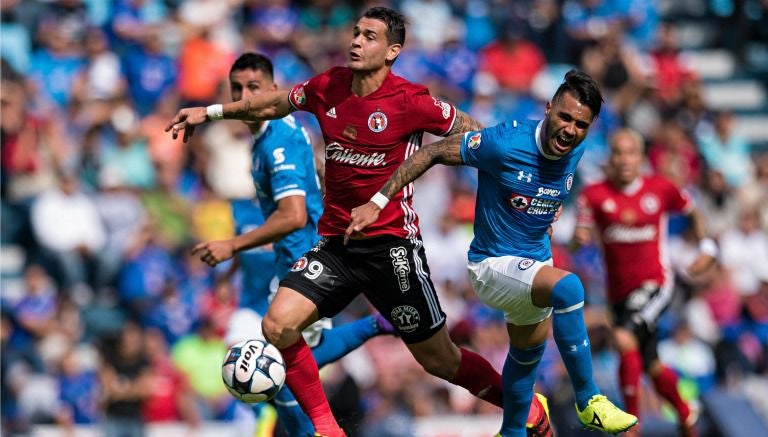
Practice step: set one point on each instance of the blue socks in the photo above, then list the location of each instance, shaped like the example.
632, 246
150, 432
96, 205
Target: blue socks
570, 334
290, 415
343, 339
517, 378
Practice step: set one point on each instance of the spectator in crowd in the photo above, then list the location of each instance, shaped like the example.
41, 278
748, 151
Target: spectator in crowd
78, 391
671, 72
755, 192
56, 64
203, 63
745, 252
719, 202
100, 84
147, 267
125, 151
123, 216
131, 20
673, 155
170, 397
126, 382
198, 357
66, 222
32, 145
149, 71
689, 356
35, 312
170, 313
726, 151
512, 60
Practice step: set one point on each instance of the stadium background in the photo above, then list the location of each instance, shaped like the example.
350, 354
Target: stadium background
87, 86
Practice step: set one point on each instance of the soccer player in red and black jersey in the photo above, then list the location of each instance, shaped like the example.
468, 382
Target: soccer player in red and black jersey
627, 213
372, 120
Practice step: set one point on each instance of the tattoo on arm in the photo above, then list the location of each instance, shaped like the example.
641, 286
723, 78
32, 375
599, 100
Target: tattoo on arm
242, 110
464, 123
267, 106
446, 152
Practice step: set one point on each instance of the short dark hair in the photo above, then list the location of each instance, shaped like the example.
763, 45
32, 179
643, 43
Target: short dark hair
394, 20
584, 88
253, 61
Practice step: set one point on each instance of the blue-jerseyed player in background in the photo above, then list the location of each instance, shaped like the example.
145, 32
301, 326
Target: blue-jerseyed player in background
288, 192
526, 171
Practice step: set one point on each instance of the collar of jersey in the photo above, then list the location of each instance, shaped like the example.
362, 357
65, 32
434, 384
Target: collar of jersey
633, 187
261, 131
538, 143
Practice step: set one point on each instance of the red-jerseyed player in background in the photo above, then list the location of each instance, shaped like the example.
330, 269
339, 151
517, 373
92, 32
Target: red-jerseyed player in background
371, 120
627, 213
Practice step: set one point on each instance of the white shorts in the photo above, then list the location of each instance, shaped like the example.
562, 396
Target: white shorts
505, 283
245, 324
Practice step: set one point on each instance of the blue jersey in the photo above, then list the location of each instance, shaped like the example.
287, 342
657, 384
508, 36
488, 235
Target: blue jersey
284, 165
519, 189
257, 265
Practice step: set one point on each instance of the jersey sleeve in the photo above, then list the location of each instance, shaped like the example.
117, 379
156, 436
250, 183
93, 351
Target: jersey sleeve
430, 114
676, 200
304, 96
585, 215
286, 168
482, 150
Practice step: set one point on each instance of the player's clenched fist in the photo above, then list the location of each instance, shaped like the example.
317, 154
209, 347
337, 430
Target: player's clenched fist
186, 119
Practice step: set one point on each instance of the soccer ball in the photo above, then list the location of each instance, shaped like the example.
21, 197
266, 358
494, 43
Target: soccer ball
253, 371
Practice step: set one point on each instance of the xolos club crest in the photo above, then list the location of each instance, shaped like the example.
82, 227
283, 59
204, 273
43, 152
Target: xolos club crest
377, 121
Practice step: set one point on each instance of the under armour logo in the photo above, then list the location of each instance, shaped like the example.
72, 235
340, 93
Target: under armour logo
575, 347
524, 176
596, 421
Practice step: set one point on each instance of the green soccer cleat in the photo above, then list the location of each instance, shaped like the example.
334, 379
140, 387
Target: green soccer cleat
602, 415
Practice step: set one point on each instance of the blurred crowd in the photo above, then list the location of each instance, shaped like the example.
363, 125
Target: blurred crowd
108, 319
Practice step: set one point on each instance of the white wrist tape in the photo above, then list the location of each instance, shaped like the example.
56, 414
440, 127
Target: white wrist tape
215, 112
708, 246
380, 200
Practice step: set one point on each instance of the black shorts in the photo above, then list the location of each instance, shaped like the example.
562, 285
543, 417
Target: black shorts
639, 314
391, 272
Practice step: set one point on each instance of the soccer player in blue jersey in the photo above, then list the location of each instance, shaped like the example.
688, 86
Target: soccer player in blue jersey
289, 196
526, 171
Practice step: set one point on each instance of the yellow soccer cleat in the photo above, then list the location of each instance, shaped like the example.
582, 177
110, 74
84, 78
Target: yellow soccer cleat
601, 415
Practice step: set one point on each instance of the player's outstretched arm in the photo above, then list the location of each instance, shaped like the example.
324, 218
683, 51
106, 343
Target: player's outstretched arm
464, 123
269, 105
446, 152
